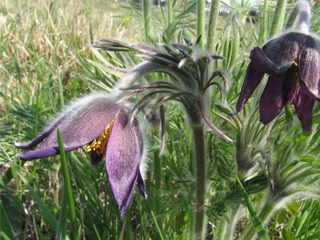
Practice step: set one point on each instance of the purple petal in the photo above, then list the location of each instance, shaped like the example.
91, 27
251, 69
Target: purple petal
80, 124
290, 85
46, 152
262, 63
284, 49
124, 151
271, 102
309, 67
304, 109
33, 143
250, 83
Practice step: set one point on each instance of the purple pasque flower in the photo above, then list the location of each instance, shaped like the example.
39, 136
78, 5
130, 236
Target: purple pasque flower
292, 61
105, 128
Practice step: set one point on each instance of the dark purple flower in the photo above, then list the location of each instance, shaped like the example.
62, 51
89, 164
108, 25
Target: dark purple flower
292, 61
104, 127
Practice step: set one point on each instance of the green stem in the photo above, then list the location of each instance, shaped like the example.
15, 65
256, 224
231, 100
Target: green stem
233, 221
266, 212
157, 183
213, 19
278, 17
221, 229
200, 21
147, 20
68, 187
264, 22
169, 5
200, 178
226, 227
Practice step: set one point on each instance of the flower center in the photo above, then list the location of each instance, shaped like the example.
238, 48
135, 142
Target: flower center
99, 145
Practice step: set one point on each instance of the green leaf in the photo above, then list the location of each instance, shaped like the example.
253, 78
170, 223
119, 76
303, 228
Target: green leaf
287, 235
223, 108
5, 226
254, 215
301, 222
45, 210
299, 137
308, 159
289, 116
62, 226
67, 184
20, 207
315, 236
281, 216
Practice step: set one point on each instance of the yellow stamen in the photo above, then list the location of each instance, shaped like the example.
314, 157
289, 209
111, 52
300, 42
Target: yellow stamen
100, 143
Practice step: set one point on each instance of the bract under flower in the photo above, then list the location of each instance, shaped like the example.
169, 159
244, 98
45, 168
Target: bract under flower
104, 125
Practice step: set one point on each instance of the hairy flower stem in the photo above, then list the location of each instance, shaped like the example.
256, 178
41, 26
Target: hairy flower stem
169, 7
264, 22
277, 18
213, 19
266, 212
157, 183
201, 22
200, 178
221, 228
225, 227
147, 20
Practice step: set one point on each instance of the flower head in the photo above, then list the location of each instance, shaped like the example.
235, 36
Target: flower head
104, 127
292, 61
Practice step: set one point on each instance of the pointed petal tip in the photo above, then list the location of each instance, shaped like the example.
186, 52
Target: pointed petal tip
141, 185
17, 145
234, 113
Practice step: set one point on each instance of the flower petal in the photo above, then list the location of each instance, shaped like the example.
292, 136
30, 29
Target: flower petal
124, 151
262, 63
33, 143
80, 124
46, 152
250, 83
309, 67
284, 49
271, 101
304, 109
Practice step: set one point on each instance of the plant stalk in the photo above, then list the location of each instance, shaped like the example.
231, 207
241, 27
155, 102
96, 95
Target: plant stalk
157, 183
213, 19
277, 18
264, 22
147, 20
200, 178
68, 187
201, 22
169, 5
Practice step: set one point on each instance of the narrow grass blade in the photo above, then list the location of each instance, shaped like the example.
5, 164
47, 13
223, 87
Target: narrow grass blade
67, 184
20, 208
8, 175
255, 218
45, 210
5, 226
5, 237
62, 226
60, 89
155, 220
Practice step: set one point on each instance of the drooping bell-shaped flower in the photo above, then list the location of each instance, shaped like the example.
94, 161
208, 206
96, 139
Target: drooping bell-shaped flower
292, 61
105, 128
